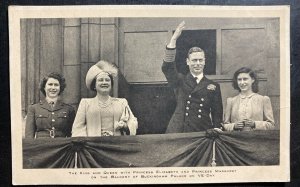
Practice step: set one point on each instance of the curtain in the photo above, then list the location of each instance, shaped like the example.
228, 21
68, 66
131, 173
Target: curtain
159, 150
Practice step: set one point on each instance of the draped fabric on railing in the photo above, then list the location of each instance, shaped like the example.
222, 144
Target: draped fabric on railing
163, 150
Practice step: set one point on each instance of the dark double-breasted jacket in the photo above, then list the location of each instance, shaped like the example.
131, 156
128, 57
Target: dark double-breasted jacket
199, 106
43, 121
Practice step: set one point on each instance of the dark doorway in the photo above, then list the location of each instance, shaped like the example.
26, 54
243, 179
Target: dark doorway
206, 40
153, 104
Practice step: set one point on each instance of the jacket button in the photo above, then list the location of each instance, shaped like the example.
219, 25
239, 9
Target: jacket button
40, 115
52, 113
188, 102
186, 114
201, 104
200, 110
53, 120
202, 99
187, 108
199, 116
190, 96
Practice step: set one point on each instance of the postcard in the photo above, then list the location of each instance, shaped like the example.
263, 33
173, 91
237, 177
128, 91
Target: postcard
149, 94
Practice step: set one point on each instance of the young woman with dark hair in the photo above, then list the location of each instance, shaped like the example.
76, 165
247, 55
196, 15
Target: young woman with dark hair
248, 110
50, 118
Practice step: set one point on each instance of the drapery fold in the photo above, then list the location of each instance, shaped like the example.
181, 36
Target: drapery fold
160, 150
248, 148
48, 153
106, 152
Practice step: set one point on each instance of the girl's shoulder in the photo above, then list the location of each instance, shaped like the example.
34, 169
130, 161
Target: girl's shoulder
261, 97
232, 99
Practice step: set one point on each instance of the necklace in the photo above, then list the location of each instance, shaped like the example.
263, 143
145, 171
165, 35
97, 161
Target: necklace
105, 103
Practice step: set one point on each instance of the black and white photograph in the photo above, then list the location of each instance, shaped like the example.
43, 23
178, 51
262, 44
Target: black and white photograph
150, 94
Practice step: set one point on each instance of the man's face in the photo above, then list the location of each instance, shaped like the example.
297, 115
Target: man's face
196, 62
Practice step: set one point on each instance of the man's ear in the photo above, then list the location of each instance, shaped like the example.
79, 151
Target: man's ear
187, 61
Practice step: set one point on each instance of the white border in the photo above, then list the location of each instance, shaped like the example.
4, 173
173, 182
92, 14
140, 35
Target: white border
279, 173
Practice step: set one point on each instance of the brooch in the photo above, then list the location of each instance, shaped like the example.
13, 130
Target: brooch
211, 87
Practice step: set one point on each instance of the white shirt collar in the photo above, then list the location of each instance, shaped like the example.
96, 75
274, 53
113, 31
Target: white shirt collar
199, 77
51, 100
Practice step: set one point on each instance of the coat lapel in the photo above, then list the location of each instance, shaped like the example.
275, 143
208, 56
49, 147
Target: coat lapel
235, 116
202, 84
93, 117
115, 117
118, 108
59, 105
44, 104
190, 82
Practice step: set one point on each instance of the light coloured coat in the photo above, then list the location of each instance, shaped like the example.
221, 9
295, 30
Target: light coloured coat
262, 112
88, 118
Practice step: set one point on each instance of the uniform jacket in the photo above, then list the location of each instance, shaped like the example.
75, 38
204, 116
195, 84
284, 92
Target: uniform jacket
261, 112
41, 118
88, 118
199, 106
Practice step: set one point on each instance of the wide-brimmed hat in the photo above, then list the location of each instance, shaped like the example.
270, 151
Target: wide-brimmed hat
100, 67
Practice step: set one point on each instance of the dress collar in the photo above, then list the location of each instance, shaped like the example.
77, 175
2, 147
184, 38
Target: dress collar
248, 96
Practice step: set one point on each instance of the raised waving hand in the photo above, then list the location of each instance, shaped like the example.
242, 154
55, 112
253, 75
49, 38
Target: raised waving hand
176, 35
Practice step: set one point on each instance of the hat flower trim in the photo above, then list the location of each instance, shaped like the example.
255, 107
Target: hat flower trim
108, 68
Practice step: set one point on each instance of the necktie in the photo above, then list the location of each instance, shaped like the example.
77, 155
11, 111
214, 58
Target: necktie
51, 104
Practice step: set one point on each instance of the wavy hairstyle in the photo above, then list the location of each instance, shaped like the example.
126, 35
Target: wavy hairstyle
54, 75
251, 73
194, 50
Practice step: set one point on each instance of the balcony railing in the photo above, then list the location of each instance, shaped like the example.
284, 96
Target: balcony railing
208, 148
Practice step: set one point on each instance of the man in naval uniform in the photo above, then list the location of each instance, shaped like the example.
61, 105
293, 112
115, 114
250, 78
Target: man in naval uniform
199, 102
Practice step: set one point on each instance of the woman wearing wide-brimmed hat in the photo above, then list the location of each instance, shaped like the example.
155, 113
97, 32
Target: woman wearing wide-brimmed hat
103, 115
